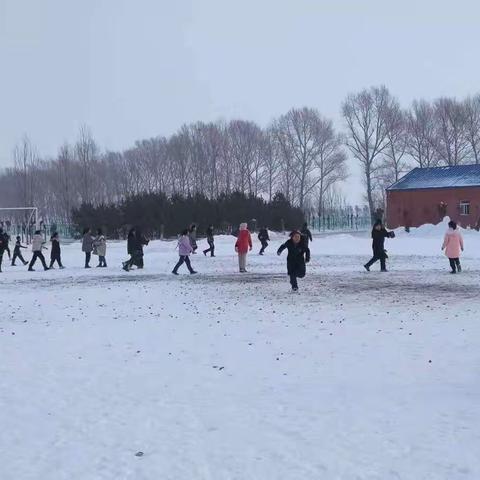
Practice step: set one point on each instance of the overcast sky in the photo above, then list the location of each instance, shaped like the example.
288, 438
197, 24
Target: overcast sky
133, 69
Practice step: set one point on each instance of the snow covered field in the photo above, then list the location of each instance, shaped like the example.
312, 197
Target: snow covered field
228, 376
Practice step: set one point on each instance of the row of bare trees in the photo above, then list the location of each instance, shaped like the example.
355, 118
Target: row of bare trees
299, 154
388, 140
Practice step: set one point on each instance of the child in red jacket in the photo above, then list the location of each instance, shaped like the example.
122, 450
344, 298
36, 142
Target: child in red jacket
242, 246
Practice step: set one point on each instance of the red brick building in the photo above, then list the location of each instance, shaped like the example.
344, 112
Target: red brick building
427, 195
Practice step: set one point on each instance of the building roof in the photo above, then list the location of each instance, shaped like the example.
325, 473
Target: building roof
439, 177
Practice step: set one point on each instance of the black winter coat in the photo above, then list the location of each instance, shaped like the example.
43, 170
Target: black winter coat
298, 255
263, 235
210, 234
135, 244
55, 247
378, 241
307, 234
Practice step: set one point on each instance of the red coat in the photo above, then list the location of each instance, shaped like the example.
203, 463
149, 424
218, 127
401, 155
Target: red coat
244, 241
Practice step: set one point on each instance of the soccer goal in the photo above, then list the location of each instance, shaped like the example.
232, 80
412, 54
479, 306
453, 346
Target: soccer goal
21, 221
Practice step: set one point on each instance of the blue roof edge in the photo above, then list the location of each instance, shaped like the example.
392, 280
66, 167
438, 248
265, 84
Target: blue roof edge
391, 187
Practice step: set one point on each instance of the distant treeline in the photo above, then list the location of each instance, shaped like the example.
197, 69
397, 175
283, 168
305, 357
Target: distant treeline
157, 214
301, 154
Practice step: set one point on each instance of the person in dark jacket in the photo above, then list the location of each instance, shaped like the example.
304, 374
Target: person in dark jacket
211, 242
135, 243
55, 254
306, 233
379, 234
87, 245
2, 247
192, 235
17, 252
6, 241
264, 239
298, 256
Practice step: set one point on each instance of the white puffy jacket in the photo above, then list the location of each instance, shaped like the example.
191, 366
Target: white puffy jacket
37, 243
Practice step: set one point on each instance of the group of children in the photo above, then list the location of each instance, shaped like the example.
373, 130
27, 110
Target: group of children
38, 244
297, 247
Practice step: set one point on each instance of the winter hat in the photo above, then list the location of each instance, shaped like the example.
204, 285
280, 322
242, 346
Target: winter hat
243, 226
378, 221
294, 232
452, 225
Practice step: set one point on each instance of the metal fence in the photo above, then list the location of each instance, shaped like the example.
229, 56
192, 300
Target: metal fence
25, 232
345, 222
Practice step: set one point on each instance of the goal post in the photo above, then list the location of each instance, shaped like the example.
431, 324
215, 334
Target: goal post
29, 219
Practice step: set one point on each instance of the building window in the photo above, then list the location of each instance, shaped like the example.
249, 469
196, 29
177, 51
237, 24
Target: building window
465, 208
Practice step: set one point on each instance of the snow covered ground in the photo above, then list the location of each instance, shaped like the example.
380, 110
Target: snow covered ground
228, 376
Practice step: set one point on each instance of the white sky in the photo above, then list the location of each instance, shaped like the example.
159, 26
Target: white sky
138, 68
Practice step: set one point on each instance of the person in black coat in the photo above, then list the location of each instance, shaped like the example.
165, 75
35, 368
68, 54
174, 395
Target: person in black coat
55, 251
135, 243
7, 244
379, 234
211, 242
264, 239
2, 247
307, 234
17, 252
298, 256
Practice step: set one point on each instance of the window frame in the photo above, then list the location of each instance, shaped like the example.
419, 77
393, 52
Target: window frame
464, 206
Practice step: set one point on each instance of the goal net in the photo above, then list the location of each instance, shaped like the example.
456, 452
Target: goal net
19, 221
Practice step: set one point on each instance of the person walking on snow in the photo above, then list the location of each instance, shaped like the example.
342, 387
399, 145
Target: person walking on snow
298, 257
211, 242
37, 247
192, 235
264, 239
135, 243
379, 234
55, 251
6, 237
184, 250
307, 234
242, 246
2, 247
17, 253
87, 245
100, 248
453, 245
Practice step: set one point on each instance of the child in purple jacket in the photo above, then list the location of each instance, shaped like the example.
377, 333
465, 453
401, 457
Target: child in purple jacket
184, 250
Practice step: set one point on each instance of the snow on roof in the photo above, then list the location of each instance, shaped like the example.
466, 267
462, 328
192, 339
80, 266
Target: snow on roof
439, 177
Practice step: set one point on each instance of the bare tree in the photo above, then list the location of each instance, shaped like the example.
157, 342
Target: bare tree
245, 142
420, 127
26, 161
365, 114
301, 129
471, 107
65, 174
272, 160
331, 161
287, 180
86, 151
395, 163
451, 142
180, 163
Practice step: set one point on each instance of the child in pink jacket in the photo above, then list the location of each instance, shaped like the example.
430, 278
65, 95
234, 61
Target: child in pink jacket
184, 250
453, 245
